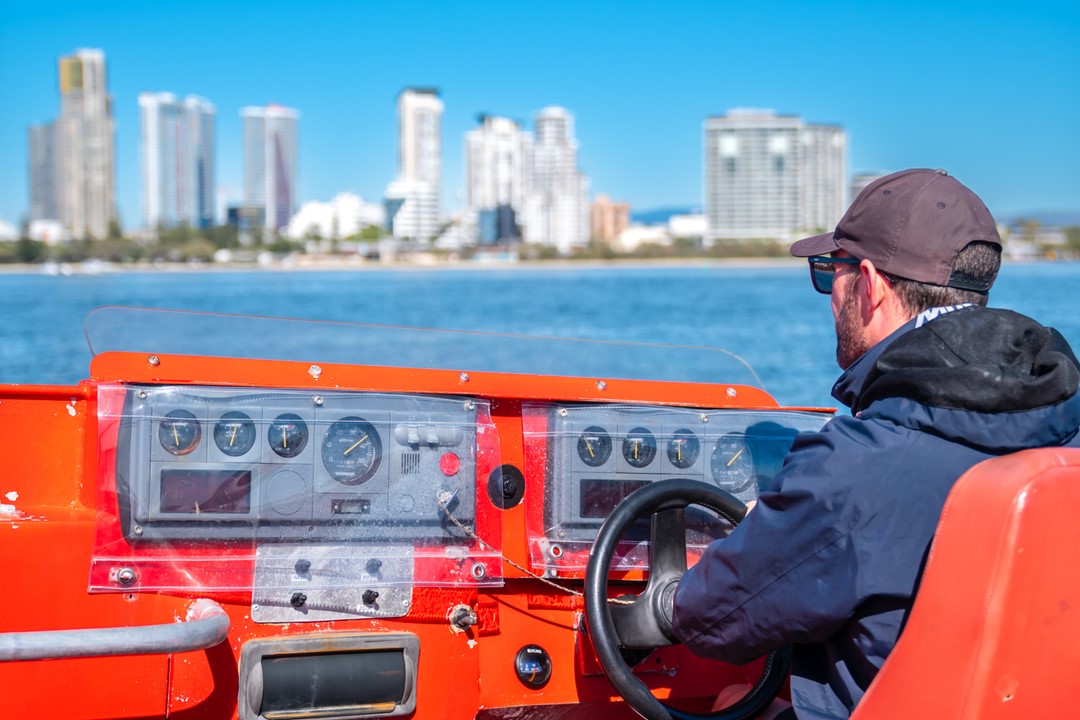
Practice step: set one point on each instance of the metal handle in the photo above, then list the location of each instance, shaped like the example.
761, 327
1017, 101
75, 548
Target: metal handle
206, 625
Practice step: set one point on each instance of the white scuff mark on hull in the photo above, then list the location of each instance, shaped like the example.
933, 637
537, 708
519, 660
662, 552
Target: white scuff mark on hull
12, 496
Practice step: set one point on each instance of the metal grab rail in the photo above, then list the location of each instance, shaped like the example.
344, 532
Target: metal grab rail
206, 625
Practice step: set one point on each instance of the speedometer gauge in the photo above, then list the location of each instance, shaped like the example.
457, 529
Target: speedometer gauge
732, 464
351, 451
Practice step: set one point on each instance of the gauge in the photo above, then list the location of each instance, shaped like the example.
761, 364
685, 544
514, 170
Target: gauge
288, 435
351, 451
179, 432
234, 433
732, 464
683, 449
639, 447
594, 446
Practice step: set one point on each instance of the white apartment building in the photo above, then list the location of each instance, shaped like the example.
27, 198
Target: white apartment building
72, 159
770, 176
557, 209
177, 161
498, 174
270, 163
419, 178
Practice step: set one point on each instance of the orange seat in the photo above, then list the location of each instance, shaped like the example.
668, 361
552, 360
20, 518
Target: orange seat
995, 630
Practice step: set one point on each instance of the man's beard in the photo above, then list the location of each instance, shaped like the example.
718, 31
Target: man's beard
851, 341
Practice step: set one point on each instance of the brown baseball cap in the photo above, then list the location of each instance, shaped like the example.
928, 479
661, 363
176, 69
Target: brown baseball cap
911, 224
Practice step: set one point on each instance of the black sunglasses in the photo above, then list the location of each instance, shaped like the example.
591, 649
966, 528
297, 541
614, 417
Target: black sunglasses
823, 271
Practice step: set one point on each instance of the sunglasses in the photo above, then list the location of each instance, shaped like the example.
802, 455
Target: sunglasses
823, 271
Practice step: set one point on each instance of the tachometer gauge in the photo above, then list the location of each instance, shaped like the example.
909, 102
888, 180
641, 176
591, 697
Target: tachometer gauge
683, 449
179, 432
594, 446
732, 464
234, 433
287, 435
351, 451
639, 447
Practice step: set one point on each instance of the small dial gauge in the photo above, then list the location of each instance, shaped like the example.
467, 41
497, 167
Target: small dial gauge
351, 451
732, 464
234, 433
594, 446
287, 435
683, 449
639, 447
179, 432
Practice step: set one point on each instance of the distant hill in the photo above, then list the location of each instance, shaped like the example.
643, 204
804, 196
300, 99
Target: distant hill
660, 216
1046, 218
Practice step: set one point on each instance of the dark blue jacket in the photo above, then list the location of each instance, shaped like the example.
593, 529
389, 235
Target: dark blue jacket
830, 560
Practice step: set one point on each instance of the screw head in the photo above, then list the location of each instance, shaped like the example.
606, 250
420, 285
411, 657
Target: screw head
463, 377
154, 360
315, 371
317, 400
601, 385
125, 576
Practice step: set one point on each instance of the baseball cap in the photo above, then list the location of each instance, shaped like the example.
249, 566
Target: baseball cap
911, 224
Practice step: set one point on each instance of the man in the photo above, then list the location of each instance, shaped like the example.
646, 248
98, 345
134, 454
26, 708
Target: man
830, 559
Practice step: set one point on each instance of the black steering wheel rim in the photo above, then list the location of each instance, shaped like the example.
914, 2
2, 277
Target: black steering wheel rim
659, 497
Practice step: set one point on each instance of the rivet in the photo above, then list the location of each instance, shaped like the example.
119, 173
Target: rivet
601, 385
731, 392
138, 529
463, 377
315, 371
704, 418
563, 412
142, 394
479, 571
154, 360
317, 400
125, 576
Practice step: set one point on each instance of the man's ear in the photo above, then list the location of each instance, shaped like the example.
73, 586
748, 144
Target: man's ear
874, 288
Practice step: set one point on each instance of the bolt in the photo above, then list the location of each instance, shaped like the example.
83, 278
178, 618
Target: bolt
154, 360
369, 597
601, 385
704, 418
125, 576
470, 405
731, 392
298, 600
142, 394
463, 377
138, 529
315, 371
302, 566
563, 412
317, 400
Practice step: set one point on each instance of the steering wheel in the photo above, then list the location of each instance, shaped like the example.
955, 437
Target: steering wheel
645, 622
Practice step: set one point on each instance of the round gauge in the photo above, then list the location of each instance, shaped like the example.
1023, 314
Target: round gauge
234, 433
683, 449
179, 432
639, 447
732, 464
594, 446
351, 451
287, 435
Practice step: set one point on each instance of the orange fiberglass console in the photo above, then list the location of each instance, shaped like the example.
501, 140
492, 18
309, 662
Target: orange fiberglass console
257, 518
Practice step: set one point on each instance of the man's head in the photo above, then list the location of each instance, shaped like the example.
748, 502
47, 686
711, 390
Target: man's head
911, 240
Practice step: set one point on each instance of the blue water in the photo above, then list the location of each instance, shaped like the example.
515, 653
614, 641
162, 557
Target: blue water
769, 316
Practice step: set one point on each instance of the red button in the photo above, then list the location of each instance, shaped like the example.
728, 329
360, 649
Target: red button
450, 464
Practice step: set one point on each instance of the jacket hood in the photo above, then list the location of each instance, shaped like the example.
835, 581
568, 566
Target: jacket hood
991, 378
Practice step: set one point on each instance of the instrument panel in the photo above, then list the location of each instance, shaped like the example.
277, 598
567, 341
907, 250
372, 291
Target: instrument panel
226, 464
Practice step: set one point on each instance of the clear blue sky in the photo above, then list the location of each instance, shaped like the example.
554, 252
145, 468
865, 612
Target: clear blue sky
988, 90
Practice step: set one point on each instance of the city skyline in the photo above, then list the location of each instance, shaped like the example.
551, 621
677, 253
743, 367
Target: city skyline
986, 91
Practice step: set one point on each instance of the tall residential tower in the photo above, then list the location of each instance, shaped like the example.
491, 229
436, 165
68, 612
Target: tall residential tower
413, 199
498, 173
557, 210
177, 161
72, 163
771, 176
270, 163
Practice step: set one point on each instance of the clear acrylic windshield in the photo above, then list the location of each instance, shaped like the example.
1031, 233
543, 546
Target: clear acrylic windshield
175, 332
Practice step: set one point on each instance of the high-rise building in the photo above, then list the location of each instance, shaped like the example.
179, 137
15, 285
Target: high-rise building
557, 210
770, 176
498, 171
177, 161
417, 185
72, 164
270, 164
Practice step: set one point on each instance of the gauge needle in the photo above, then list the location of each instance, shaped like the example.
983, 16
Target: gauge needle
678, 450
735, 457
284, 439
636, 443
353, 447
176, 436
232, 438
588, 446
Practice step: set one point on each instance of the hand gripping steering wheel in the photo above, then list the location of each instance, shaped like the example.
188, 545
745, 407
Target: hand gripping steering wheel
646, 621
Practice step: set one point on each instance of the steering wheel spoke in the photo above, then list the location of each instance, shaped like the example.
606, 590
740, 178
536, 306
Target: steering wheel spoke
667, 544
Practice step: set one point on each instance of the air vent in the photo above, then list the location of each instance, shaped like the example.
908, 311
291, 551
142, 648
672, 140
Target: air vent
410, 464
